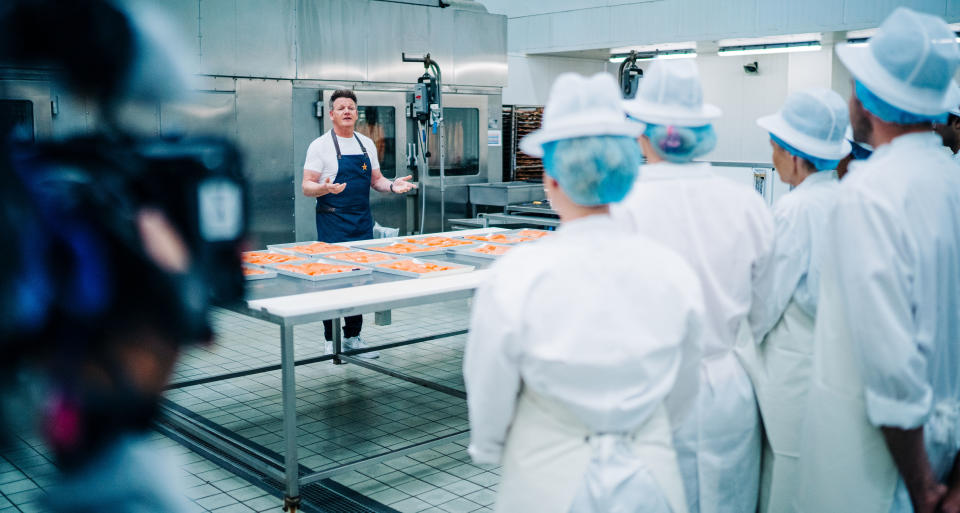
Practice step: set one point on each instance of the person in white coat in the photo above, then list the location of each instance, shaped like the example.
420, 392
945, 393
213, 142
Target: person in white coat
725, 231
808, 140
577, 339
882, 426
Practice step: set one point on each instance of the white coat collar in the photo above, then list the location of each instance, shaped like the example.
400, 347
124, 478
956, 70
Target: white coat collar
909, 142
671, 171
818, 177
591, 223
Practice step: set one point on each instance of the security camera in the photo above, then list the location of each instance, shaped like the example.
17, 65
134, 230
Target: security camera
751, 68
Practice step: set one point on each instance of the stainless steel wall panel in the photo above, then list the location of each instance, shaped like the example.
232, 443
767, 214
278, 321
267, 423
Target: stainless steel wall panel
264, 121
248, 38
306, 128
399, 28
207, 113
480, 49
185, 17
440, 28
332, 39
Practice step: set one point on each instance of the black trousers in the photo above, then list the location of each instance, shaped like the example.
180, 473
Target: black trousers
351, 327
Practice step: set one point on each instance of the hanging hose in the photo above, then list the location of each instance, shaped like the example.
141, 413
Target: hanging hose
422, 170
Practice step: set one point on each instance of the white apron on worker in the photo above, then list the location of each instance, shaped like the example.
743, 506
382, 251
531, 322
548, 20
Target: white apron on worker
780, 370
779, 363
725, 232
553, 463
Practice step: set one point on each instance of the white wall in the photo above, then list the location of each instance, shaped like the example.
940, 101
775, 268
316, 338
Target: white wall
743, 97
529, 77
538, 26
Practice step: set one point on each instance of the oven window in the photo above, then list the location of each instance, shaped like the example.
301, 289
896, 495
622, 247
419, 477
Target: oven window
380, 125
461, 128
16, 116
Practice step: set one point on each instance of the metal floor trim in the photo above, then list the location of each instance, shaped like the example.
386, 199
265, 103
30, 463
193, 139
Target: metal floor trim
326, 496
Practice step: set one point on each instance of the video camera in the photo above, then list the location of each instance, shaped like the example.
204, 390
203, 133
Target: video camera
77, 268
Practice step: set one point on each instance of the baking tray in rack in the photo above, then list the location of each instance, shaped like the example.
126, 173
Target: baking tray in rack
309, 248
264, 258
446, 268
359, 257
402, 249
257, 272
482, 250
346, 270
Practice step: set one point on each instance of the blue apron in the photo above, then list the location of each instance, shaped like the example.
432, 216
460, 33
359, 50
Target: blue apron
346, 216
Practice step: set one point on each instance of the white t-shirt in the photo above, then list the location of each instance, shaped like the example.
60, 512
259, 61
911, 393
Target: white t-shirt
322, 156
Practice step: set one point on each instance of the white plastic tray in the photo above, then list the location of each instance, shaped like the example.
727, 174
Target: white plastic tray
287, 248
462, 243
358, 271
470, 251
388, 257
456, 269
428, 251
305, 257
268, 273
485, 242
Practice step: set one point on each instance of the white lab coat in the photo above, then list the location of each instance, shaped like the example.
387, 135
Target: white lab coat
779, 364
886, 349
574, 342
725, 231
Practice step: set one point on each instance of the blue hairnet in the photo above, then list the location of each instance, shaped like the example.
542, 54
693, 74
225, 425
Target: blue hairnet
883, 110
819, 164
593, 170
681, 144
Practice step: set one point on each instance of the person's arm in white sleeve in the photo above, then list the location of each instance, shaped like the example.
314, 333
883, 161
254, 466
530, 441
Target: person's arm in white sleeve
762, 238
682, 399
313, 184
776, 278
491, 372
874, 268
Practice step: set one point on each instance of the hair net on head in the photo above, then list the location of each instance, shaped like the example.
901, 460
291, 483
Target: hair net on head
681, 144
818, 163
883, 110
593, 170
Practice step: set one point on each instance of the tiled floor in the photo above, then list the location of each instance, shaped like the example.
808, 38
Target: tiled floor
344, 413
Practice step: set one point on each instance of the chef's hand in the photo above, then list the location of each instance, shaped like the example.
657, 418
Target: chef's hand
401, 185
329, 187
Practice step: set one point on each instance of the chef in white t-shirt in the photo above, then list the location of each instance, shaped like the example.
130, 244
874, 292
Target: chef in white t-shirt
340, 168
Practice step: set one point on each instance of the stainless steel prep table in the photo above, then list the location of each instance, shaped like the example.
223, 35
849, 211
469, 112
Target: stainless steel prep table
287, 302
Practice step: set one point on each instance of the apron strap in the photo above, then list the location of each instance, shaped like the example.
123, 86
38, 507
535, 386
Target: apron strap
336, 144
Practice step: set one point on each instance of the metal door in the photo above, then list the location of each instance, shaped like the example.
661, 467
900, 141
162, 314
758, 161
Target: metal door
381, 117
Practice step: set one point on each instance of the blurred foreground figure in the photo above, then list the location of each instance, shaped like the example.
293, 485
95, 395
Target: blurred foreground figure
115, 248
882, 427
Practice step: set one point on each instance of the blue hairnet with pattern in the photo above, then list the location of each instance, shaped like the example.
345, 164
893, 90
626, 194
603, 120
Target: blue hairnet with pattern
818, 163
883, 110
681, 144
593, 170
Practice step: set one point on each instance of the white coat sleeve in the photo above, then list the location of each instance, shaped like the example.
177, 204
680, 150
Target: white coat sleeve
762, 269
778, 280
491, 369
874, 261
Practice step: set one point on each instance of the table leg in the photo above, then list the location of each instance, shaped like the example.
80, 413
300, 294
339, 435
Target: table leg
337, 341
289, 393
